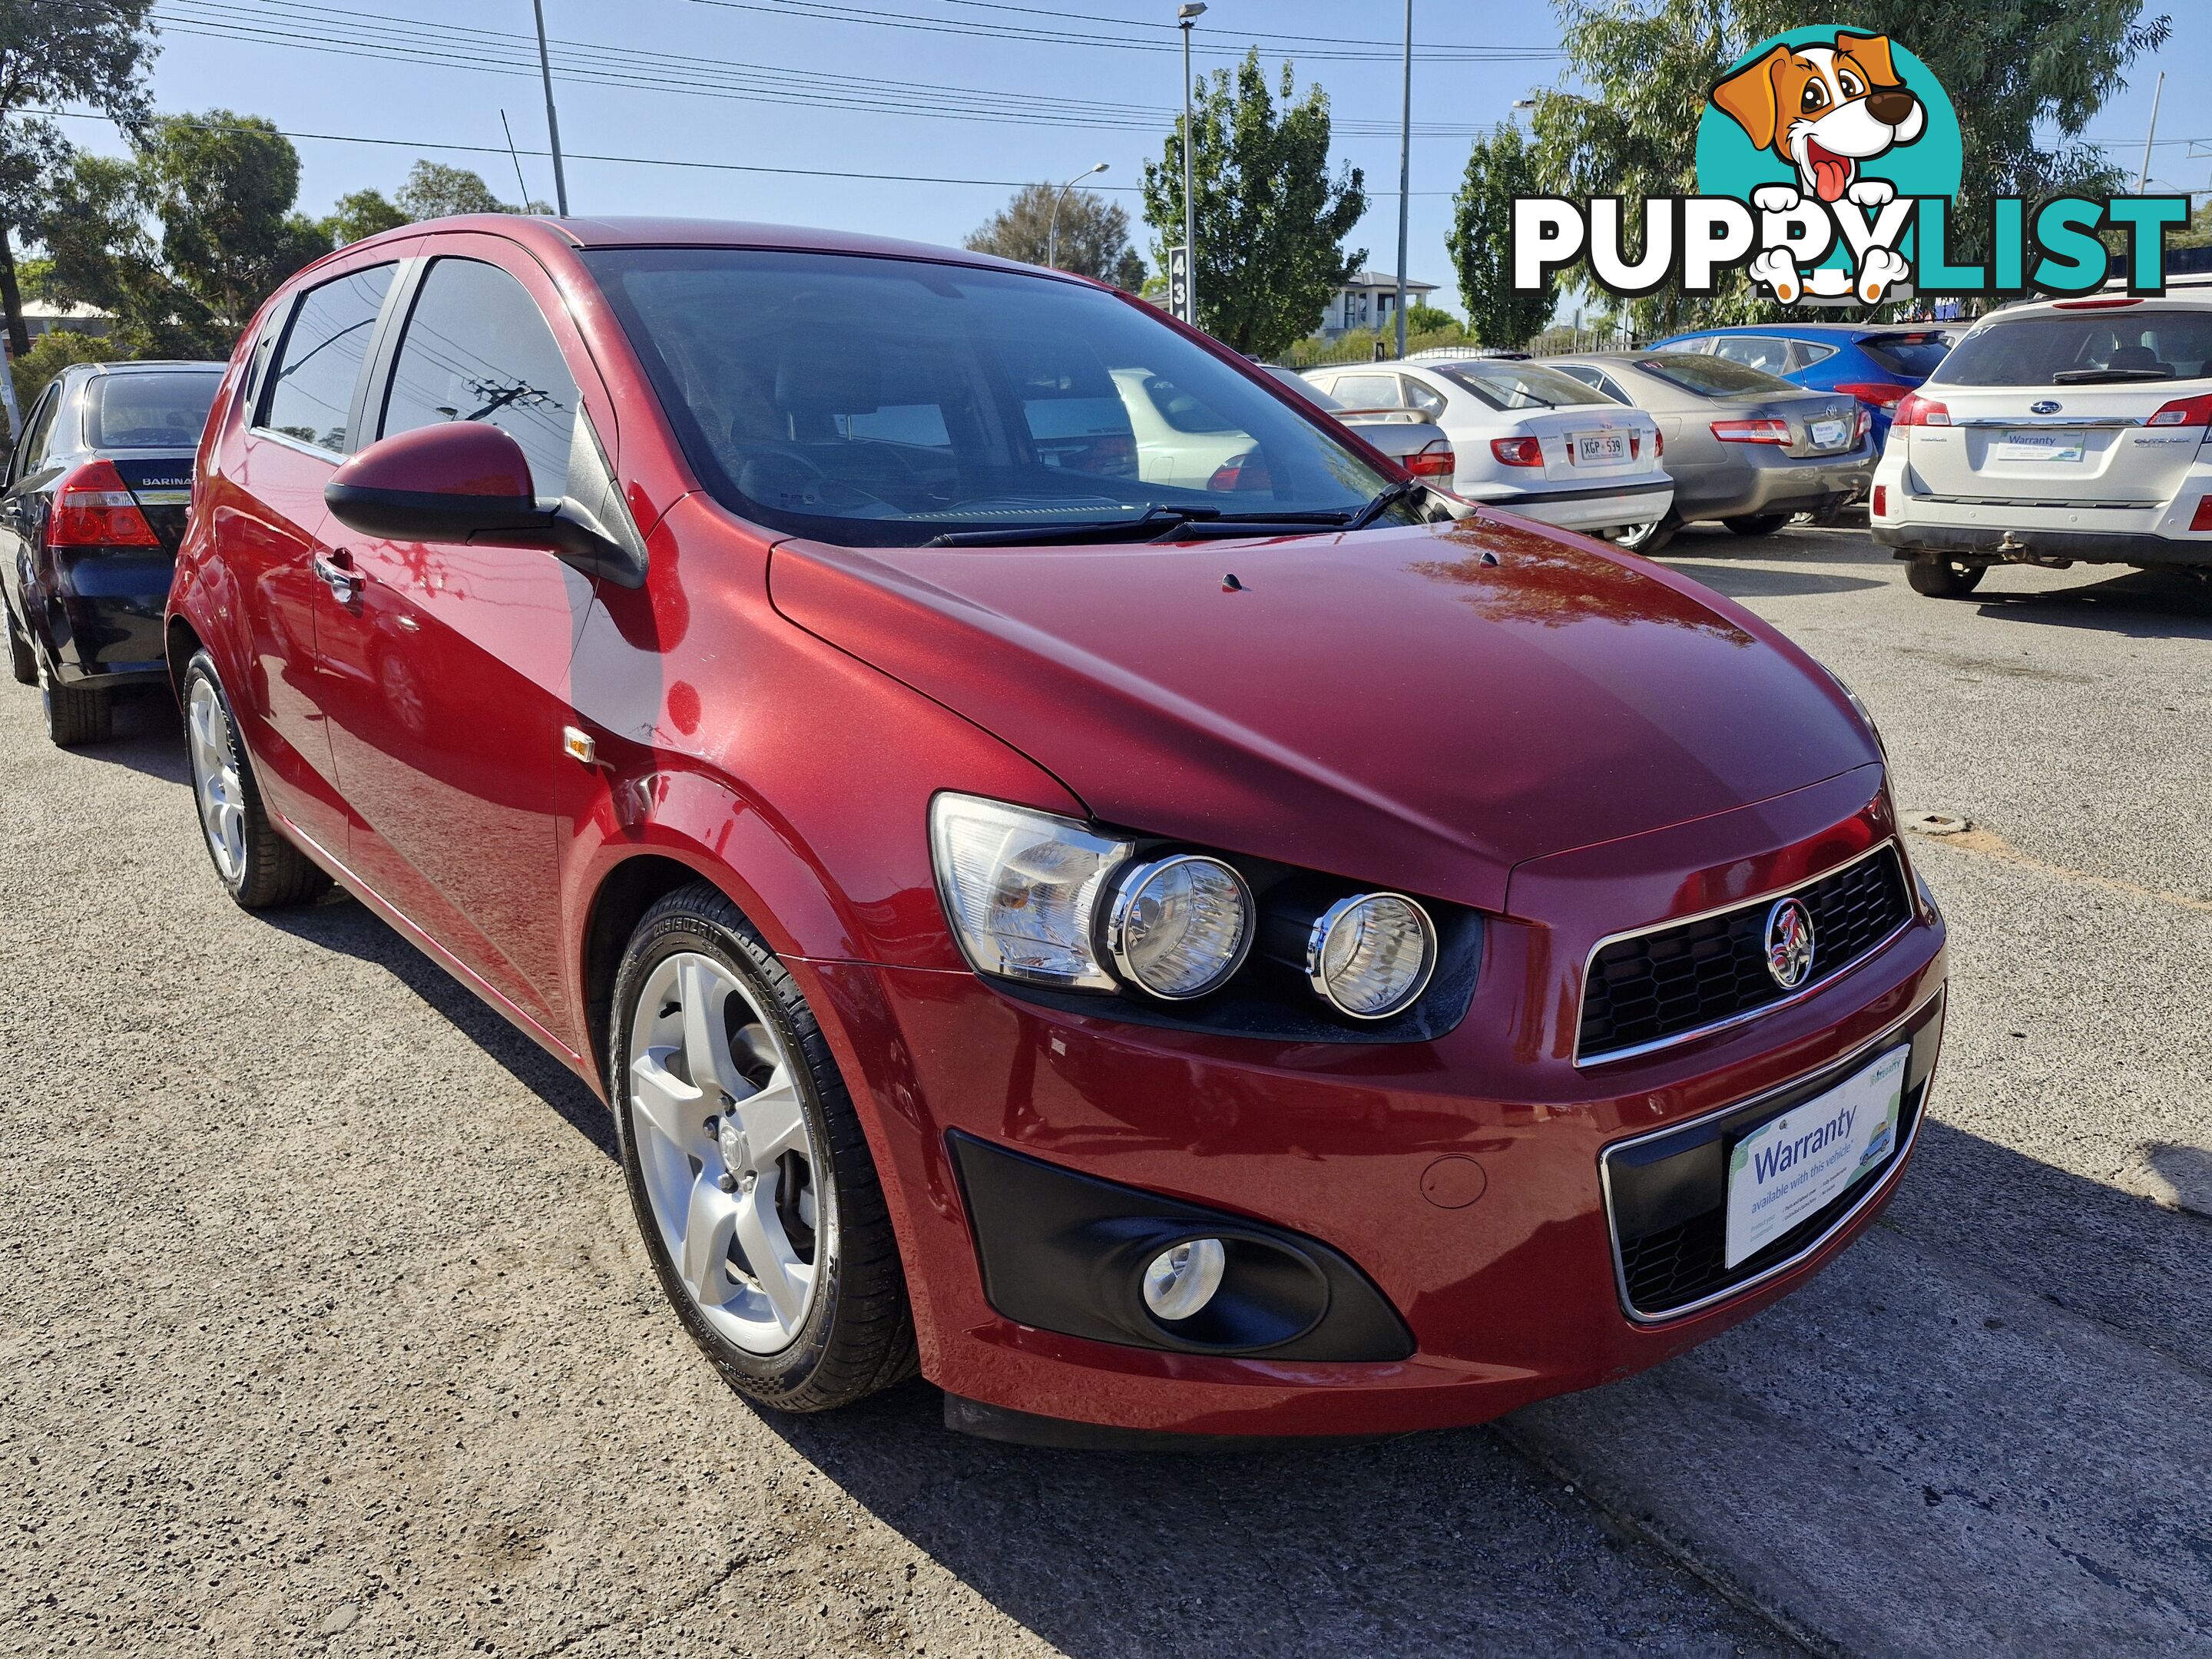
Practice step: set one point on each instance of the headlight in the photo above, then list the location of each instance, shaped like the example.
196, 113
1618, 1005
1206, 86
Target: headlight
1022, 888
1179, 926
1370, 956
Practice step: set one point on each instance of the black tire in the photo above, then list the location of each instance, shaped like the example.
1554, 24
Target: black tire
271, 871
1648, 539
74, 714
1757, 524
1940, 578
21, 657
858, 1334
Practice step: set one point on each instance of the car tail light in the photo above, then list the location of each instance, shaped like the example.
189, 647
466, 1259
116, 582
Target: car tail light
2093, 305
2184, 412
1752, 432
1518, 452
1883, 392
2203, 518
1881, 501
94, 508
1242, 473
1914, 409
1864, 425
1434, 460
1658, 445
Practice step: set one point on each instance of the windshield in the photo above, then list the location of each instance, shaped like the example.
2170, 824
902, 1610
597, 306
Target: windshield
891, 402
2056, 348
1711, 377
1519, 385
149, 410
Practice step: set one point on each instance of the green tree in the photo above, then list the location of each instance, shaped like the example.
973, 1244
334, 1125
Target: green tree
361, 212
182, 242
1498, 168
53, 352
435, 191
1271, 220
54, 53
1093, 234
1647, 66
1430, 320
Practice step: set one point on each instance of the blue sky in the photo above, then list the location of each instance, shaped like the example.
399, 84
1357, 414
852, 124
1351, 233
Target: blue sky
873, 98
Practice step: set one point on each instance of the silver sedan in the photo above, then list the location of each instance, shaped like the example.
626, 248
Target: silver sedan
1745, 447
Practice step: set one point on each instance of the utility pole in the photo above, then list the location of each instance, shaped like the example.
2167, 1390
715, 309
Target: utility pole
2158, 92
1186, 15
552, 121
1052, 232
1405, 175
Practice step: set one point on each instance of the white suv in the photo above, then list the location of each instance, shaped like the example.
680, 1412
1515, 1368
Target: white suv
2069, 431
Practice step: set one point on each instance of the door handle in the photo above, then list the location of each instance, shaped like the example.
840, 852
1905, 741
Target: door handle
336, 569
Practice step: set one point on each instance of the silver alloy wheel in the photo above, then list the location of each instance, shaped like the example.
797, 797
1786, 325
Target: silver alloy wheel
215, 780
729, 1164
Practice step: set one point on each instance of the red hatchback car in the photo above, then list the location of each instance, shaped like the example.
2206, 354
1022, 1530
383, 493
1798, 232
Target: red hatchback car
1163, 946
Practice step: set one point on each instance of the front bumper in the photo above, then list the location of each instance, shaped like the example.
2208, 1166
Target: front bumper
1503, 1271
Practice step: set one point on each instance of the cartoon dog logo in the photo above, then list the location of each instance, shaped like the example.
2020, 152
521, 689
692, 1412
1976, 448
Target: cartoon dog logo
1824, 109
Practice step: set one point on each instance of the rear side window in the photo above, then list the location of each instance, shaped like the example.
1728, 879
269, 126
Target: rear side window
1759, 351
1710, 377
34, 433
1805, 353
2084, 348
148, 411
1917, 355
478, 348
310, 397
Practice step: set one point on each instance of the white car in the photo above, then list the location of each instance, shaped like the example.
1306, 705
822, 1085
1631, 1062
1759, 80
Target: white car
2061, 432
1525, 437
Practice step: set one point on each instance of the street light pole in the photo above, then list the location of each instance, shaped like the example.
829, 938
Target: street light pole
1052, 235
1186, 15
1405, 175
552, 121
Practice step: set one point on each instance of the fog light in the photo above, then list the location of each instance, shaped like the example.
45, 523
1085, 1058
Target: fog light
1178, 1282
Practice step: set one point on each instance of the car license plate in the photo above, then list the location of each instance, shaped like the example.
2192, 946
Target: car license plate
1600, 448
2034, 445
1791, 1166
1827, 435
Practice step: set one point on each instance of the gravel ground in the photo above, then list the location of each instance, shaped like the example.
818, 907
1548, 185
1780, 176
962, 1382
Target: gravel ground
323, 1329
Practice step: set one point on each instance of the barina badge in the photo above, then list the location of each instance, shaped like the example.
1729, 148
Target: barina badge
1789, 943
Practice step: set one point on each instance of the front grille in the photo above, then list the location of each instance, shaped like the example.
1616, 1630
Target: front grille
1673, 981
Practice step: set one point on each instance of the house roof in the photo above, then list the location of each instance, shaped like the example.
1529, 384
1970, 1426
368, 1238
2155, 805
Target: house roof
1388, 279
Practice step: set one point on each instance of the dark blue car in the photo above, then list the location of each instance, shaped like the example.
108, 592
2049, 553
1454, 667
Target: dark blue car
1874, 362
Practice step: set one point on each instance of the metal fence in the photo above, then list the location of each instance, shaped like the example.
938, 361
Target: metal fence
1365, 346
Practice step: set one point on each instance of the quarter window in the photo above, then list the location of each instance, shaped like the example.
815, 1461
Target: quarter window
478, 348
311, 395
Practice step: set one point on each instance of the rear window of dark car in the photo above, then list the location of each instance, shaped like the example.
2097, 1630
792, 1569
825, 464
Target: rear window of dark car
149, 411
1915, 355
1713, 377
2083, 348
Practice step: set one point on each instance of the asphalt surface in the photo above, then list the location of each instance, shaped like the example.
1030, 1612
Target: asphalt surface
323, 1328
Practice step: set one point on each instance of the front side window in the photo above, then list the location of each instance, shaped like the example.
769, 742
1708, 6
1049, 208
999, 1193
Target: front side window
478, 348
888, 402
151, 411
310, 398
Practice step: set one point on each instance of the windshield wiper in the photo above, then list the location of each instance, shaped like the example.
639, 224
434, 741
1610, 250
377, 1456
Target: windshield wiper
1381, 504
1047, 535
2106, 376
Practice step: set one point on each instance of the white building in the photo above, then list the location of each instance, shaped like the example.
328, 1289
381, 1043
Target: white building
1369, 301
40, 316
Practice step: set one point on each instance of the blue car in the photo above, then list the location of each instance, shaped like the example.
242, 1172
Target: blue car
1874, 362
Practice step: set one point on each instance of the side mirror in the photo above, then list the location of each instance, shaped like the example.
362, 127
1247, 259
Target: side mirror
466, 481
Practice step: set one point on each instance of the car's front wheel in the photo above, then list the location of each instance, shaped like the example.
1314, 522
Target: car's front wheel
257, 866
1941, 578
752, 1179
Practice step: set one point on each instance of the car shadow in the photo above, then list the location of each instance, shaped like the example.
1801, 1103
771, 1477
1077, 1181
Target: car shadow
339, 922
148, 735
2140, 605
1739, 566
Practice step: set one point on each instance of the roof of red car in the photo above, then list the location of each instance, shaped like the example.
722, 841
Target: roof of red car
626, 232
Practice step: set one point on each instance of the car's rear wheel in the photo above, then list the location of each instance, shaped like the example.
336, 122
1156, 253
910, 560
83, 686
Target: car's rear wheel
1941, 578
752, 1179
75, 715
1648, 538
259, 868
1757, 524
20, 658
